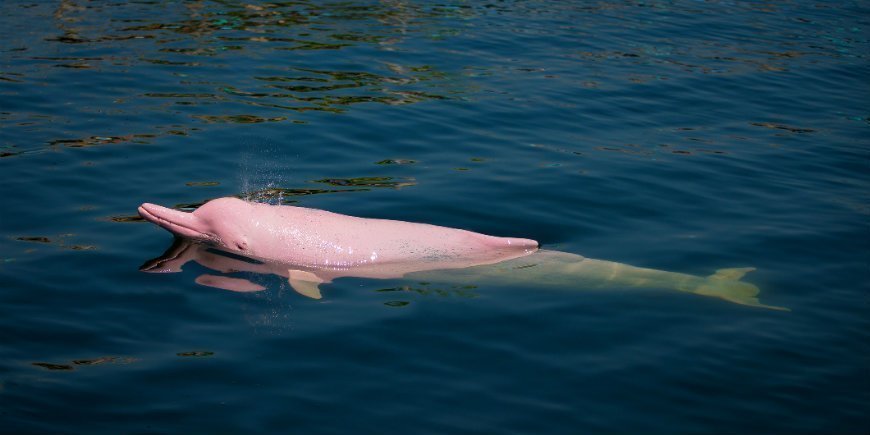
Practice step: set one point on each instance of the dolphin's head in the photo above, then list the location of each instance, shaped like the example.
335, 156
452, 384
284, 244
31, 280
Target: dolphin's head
222, 222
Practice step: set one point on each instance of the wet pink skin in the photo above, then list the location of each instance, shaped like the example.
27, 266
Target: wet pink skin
331, 245
310, 247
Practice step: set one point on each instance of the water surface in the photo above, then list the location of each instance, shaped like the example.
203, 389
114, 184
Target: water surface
679, 135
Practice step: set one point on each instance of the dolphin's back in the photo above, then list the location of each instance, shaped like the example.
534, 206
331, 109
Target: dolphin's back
318, 237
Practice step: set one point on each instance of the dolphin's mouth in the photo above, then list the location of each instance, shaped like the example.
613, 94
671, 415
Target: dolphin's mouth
176, 222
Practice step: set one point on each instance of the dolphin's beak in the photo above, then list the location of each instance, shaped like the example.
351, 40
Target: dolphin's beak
177, 222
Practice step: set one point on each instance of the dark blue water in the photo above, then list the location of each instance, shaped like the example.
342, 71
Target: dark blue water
685, 136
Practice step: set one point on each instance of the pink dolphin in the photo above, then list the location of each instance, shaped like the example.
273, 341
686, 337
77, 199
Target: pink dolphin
309, 247
318, 246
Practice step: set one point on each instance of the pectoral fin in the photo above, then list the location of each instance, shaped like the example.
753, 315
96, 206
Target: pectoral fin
305, 283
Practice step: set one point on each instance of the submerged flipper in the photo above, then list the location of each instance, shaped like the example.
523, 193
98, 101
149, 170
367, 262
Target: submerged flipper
726, 284
305, 283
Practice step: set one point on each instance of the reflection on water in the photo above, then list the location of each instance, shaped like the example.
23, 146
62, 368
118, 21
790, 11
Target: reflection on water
189, 46
196, 354
86, 362
61, 241
428, 289
210, 63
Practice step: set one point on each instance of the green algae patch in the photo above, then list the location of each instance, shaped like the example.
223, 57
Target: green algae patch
196, 354
55, 367
238, 119
37, 239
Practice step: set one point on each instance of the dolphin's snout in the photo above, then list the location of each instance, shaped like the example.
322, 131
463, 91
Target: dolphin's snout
175, 221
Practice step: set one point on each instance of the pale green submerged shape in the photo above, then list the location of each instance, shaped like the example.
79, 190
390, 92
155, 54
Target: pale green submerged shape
543, 269
555, 269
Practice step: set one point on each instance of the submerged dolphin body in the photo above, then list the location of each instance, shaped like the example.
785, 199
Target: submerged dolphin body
309, 247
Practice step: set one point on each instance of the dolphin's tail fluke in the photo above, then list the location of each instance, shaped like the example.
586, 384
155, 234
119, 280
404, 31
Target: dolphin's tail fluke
726, 284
